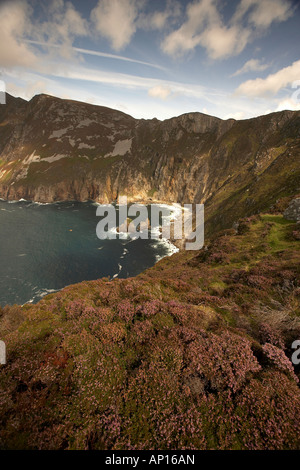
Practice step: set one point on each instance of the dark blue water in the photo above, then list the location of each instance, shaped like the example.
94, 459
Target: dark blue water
44, 248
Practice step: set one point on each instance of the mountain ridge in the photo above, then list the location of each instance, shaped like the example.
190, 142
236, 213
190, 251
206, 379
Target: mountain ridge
53, 149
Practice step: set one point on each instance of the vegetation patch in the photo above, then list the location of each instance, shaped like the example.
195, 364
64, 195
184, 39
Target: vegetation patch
194, 353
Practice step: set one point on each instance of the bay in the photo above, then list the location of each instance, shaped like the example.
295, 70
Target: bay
45, 247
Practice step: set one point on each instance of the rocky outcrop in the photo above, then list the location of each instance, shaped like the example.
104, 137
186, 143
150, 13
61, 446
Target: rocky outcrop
293, 210
53, 149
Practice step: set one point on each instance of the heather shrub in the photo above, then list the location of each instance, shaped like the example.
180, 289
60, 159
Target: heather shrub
260, 282
166, 352
179, 285
113, 332
260, 417
269, 413
279, 324
244, 225
225, 361
277, 357
143, 331
151, 308
218, 256
296, 235
10, 318
126, 310
156, 416
267, 334
188, 355
75, 308
180, 312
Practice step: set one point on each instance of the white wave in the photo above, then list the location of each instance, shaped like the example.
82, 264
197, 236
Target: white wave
40, 294
42, 203
44, 292
120, 269
165, 243
125, 251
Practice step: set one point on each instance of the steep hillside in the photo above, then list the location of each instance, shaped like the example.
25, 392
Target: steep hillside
53, 149
194, 353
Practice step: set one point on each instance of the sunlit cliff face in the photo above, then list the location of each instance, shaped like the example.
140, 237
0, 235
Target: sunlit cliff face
52, 149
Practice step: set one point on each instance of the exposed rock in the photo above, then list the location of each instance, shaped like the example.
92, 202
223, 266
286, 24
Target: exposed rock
53, 149
293, 210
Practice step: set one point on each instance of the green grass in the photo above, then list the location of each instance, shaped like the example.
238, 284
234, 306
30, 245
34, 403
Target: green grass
279, 236
152, 192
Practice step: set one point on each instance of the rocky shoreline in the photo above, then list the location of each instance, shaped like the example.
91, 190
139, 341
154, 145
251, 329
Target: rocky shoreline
177, 245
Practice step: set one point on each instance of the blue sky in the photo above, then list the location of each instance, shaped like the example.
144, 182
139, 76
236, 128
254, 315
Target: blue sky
155, 58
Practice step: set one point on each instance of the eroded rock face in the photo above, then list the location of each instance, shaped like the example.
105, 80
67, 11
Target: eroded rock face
293, 210
53, 149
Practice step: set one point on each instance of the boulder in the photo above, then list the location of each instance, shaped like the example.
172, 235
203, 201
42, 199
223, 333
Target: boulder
293, 210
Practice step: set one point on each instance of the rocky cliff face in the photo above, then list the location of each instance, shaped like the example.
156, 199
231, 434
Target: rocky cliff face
53, 149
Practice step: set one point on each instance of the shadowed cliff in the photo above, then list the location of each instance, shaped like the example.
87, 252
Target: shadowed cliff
53, 149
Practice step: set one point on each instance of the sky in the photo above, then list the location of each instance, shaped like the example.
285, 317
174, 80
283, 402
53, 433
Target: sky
155, 58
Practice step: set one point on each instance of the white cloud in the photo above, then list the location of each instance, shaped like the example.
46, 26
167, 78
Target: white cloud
160, 19
63, 26
237, 115
30, 89
288, 103
187, 37
132, 81
96, 53
190, 98
14, 23
221, 41
261, 87
116, 20
204, 26
263, 13
252, 65
159, 91
119, 81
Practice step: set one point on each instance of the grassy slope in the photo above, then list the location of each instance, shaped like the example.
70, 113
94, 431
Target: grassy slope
265, 168
192, 353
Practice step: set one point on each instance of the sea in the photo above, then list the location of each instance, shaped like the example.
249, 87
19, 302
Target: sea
45, 247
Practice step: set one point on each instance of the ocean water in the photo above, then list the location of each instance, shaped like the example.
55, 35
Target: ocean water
45, 247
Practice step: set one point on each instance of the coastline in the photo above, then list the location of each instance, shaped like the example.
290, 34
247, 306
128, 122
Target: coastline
160, 245
178, 244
